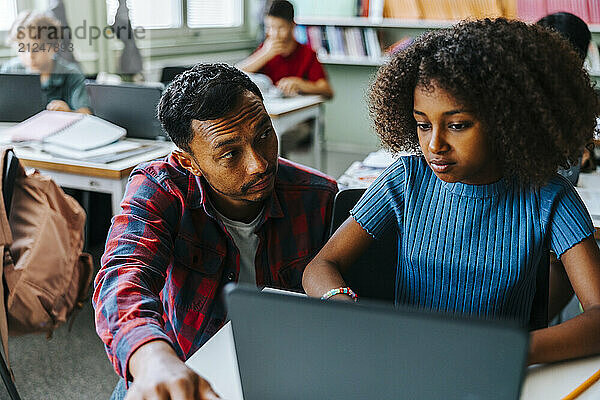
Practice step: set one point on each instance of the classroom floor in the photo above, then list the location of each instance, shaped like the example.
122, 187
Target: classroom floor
73, 364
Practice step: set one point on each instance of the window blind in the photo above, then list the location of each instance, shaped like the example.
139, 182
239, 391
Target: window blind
211, 13
149, 14
8, 14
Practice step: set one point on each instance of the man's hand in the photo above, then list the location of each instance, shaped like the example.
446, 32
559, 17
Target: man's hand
58, 105
291, 85
159, 374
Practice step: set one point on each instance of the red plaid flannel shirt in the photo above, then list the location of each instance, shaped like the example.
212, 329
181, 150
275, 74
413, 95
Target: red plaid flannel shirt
167, 257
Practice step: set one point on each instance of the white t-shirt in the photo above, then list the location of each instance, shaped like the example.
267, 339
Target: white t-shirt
247, 243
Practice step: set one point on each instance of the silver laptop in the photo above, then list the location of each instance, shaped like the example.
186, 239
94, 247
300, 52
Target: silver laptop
300, 348
21, 97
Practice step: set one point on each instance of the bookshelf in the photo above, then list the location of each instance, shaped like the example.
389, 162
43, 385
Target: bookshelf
347, 60
360, 41
377, 23
350, 76
390, 31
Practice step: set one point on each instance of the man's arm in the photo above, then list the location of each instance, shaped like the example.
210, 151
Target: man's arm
126, 297
172, 380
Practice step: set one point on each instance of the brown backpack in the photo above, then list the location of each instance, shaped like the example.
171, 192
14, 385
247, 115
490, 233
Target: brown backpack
46, 275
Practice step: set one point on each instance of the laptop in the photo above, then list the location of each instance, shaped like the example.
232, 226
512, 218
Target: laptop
290, 347
21, 97
130, 106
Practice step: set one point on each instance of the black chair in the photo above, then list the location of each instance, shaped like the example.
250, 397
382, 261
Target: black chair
373, 275
11, 164
538, 318
169, 73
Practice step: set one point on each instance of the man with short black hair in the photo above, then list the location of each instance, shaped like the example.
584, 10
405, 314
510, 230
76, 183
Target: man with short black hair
221, 208
293, 67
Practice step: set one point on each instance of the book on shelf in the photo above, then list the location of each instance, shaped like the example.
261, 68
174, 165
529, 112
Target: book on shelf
363, 9
376, 10
448, 10
531, 10
373, 45
344, 42
577, 7
402, 9
594, 10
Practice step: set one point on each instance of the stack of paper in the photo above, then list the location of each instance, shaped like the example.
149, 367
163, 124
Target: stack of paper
72, 131
42, 125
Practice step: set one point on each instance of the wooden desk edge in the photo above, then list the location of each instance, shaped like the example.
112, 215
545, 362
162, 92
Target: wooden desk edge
77, 169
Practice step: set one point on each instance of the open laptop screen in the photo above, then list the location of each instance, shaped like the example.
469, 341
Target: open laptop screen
20, 97
300, 348
132, 107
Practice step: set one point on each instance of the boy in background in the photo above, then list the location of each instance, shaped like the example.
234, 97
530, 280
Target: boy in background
293, 67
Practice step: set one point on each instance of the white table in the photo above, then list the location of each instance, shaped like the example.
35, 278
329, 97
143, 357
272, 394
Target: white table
112, 178
217, 362
105, 178
287, 112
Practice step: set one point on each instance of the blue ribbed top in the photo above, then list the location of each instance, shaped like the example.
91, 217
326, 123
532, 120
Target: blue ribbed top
470, 249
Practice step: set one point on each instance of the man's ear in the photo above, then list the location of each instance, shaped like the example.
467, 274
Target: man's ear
186, 161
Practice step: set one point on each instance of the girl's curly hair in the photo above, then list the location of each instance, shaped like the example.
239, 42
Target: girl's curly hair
523, 82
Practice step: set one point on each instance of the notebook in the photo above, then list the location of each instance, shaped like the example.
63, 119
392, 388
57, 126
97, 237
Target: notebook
71, 130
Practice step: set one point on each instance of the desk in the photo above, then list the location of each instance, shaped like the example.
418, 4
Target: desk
286, 112
217, 362
105, 178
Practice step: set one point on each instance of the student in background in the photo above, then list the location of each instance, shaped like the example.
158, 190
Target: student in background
576, 31
37, 39
486, 105
221, 208
293, 67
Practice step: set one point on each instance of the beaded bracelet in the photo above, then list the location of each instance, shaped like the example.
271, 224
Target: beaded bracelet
342, 290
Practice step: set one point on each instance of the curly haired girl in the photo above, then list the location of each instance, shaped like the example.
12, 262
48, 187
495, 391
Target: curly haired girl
485, 106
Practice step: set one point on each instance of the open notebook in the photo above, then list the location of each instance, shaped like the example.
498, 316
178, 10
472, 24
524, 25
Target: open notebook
73, 131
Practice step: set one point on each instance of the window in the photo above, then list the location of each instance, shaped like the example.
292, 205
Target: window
150, 14
7, 17
210, 13
165, 14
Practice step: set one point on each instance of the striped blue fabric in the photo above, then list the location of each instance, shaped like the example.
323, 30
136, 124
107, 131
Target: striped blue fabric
470, 249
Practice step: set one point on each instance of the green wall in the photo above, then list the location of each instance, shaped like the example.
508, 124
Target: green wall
347, 123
